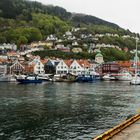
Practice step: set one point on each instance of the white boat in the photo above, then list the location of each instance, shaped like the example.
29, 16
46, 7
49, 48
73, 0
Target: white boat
136, 79
44, 77
109, 77
124, 76
7, 78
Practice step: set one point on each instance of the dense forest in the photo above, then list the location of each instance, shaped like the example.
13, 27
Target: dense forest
23, 21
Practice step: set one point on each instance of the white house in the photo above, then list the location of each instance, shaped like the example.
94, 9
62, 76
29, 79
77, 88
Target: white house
79, 66
76, 68
75, 43
51, 38
38, 65
62, 68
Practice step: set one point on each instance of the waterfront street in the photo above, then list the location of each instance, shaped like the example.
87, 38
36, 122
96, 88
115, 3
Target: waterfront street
67, 111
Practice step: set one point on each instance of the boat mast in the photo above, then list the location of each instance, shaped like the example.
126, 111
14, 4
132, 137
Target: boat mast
136, 61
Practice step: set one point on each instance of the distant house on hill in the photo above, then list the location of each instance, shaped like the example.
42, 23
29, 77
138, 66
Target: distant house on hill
51, 38
77, 50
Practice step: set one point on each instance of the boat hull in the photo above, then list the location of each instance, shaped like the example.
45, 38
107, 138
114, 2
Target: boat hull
135, 82
27, 81
84, 79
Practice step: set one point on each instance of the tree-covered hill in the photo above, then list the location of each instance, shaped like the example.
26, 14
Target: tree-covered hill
23, 21
22, 9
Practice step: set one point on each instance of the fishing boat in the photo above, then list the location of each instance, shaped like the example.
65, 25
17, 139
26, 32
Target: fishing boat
88, 76
69, 77
26, 79
85, 78
136, 79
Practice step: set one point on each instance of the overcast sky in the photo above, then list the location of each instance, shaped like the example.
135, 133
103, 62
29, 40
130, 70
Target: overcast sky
125, 13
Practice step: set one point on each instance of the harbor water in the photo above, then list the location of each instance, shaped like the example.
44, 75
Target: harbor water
64, 111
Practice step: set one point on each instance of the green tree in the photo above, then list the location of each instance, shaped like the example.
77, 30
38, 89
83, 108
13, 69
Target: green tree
22, 40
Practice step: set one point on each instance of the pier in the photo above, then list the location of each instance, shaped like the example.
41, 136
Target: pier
127, 130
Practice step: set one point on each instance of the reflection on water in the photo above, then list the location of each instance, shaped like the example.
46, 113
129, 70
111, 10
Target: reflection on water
69, 111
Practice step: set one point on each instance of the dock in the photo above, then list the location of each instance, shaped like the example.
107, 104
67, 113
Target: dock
127, 130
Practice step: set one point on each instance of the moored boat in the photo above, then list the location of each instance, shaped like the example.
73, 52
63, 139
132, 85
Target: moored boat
28, 79
109, 77
124, 76
44, 77
69, 77
86, 78
7, 78
136, 79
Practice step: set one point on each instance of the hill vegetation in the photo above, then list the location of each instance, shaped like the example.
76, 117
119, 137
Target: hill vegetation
23, 21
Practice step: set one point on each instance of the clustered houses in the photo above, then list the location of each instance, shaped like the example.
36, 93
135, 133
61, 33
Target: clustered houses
8, 46
12, 61
67, 66
16, 64
19, 66
74, 39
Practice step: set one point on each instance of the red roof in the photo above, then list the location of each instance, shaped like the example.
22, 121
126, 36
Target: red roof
68, 62
84, 63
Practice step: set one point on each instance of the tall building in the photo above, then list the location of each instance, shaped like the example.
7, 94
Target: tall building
99, 57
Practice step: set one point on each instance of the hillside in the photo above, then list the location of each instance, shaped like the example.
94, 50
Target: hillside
23, 21
22, 9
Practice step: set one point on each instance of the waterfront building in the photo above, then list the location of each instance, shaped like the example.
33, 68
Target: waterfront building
99, 57
56, 67
110, 67
79, 66
124, 64
50, 66
3, 69
38, 65
15, 68
61, 67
